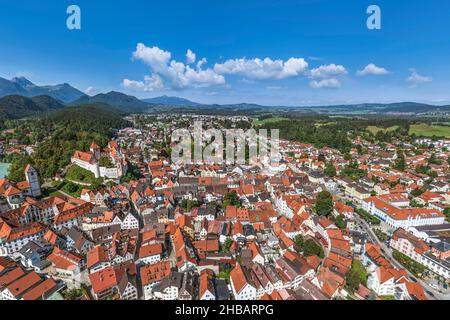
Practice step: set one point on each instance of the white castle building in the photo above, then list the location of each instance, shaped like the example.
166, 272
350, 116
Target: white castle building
90, 161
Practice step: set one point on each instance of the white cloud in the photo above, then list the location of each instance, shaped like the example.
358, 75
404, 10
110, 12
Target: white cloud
150, 83
190, 56
154, 56
168, 73
201, 62
89, 90
416, 78
372, 69
262, 69
327, 71
325, 83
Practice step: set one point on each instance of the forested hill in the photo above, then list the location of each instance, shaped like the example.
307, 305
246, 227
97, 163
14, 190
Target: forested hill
306, 130
99, 118
117, 100
62, 132
17, 107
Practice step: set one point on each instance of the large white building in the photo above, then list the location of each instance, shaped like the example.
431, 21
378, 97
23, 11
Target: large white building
397, 217
90, 161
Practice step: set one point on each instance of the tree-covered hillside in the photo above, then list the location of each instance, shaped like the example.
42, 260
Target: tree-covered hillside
63, 132
17, 107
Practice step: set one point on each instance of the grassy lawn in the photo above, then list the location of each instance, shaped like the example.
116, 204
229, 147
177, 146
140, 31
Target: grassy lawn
68, 187
72, 189
76, 173
427, 130
361, 270
375, 129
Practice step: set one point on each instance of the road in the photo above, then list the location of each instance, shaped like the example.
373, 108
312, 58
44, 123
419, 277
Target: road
387, 252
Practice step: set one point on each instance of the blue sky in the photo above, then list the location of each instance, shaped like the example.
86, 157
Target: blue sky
303, 52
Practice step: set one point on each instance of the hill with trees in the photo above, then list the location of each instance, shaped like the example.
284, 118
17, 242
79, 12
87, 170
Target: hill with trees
62, 132
17, 107
118, 100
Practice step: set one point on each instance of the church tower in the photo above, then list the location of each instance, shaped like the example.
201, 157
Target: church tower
96, 151
33, 179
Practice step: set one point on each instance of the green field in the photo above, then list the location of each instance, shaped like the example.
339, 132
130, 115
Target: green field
375, 129
427, 130
78, 174
422, 129
58, 188
257, 122
320, 124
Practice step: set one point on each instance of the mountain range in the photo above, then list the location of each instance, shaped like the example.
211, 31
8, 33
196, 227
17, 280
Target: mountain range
116, 99
24, 87
22, 98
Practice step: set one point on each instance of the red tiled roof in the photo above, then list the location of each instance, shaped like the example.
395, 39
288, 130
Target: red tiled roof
38, 291
103, 279
154, 272
150, 250
21, 285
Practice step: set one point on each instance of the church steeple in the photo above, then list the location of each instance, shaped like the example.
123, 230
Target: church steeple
33, 179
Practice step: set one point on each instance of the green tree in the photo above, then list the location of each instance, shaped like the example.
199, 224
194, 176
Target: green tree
433, 159
347, 157
231, 199
225, 247
311, 248
400, 163
356, 276
73, 294
188, 205
105, 162
417, 192
330, 170
447, 212
352, 280
16, 171
324, 204
71, 188
299, 242
340, 222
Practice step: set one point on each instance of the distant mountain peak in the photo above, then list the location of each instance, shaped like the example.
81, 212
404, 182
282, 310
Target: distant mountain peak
116, 99
24, 87
171, 101
22, 81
